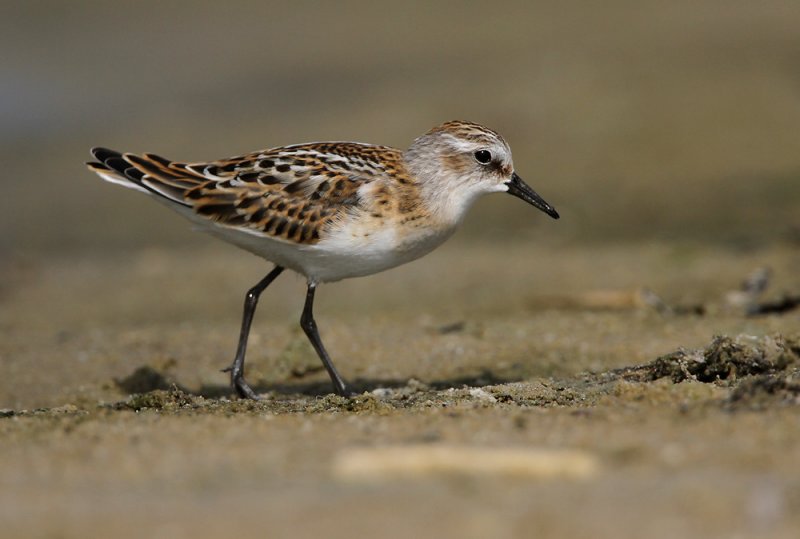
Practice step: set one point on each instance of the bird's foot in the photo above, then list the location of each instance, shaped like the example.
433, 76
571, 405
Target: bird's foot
244, 390
343, 391
239, 384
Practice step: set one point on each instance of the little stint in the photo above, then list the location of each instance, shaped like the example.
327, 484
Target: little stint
329, 210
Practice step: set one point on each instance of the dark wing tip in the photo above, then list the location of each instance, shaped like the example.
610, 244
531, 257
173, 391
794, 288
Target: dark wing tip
134, 173
102, 154
116, 163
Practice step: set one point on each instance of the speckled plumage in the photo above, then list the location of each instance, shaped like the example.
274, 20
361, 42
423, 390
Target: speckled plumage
331, 210
288, 193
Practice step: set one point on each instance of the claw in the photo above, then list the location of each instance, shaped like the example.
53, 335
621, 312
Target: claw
244, 391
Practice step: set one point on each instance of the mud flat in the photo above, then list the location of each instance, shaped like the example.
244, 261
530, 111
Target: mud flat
564, 414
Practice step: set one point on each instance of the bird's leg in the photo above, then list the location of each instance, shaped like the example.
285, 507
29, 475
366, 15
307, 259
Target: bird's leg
310, 327
237, 367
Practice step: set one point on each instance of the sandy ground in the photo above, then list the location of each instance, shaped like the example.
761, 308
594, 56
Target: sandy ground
117, 422
542, 358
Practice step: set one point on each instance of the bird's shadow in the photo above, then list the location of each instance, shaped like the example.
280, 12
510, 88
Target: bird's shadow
146, 378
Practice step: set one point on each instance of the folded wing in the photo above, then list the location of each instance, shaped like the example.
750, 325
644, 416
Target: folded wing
290, 194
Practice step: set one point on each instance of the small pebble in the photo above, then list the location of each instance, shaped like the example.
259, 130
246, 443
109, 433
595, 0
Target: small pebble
481, 394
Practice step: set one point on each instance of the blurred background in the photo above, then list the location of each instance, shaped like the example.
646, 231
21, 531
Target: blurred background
641, 121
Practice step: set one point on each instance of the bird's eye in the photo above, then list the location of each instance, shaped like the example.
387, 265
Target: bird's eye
484, 157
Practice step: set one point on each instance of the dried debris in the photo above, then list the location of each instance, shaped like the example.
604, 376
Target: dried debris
765, 391
780, 306
607, 300
747, 300
160, 399
725, 358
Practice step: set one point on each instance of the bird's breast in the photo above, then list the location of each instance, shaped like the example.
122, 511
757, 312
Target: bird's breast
362, 245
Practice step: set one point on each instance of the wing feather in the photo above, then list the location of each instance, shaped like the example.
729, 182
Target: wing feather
291, 194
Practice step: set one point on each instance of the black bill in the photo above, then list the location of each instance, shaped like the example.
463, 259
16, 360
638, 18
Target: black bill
522, 190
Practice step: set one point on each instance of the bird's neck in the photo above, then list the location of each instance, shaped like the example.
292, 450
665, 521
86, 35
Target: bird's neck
446, 201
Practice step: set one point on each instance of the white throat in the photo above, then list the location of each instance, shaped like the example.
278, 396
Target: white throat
449, 199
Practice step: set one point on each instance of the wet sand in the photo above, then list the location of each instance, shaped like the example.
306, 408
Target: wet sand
117, 422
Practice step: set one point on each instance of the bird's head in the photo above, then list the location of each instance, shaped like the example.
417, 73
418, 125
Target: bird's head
462, 160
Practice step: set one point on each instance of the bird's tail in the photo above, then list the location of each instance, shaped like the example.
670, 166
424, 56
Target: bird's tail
147, 173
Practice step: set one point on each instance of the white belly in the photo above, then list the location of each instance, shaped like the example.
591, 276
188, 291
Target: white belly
346, 252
